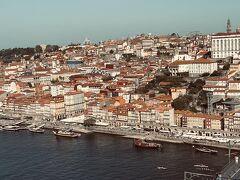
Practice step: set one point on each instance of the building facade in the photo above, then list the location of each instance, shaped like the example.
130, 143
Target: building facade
225, 44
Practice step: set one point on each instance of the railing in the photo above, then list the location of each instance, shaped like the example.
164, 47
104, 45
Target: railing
230, 171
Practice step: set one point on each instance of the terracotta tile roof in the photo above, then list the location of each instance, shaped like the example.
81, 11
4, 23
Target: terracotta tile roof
217, 79
164, 98
210, 86
197, 61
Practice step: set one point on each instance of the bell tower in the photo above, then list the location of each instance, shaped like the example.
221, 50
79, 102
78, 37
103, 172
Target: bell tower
229, 28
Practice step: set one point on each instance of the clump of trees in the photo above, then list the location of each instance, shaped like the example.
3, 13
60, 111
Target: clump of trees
216, 73
8, 54
107, 78
38, 49
51, 48
202, 98
196, 86
182, 102
226, 66
154, 84
205, 74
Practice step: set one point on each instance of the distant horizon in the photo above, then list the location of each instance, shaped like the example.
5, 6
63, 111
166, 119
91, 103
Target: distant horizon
58, 22
96, 42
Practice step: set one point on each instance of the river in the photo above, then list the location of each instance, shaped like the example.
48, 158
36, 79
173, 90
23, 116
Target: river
96, 157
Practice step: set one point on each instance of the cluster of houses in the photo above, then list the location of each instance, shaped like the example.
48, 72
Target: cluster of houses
100, 81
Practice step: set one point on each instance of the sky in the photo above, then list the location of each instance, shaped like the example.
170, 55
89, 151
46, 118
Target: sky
26, 23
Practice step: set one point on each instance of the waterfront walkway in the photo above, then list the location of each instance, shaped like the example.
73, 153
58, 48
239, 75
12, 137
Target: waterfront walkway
126, 133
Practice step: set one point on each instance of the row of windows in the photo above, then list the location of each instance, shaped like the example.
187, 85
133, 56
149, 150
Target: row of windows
226, 44
223, 55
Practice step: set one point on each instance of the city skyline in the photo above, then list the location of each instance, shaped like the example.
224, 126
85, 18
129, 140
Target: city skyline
62, 22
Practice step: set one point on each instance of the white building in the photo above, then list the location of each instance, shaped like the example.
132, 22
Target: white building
200, 66
194, 67
74, 103
182, 56
178, 67
225, 44
147, 43
57, 90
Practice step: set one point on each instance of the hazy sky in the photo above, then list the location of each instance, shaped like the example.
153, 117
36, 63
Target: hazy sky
30, 22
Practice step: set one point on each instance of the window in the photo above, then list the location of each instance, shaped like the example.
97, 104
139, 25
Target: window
235, 44
225, 44
228, 44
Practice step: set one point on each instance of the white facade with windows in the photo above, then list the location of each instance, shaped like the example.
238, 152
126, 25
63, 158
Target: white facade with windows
225, 44
198, 68
194, 67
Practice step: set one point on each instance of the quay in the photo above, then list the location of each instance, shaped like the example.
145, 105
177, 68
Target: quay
125, 133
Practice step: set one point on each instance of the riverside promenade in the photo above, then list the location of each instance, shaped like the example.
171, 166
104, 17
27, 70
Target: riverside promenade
154, 136
125, 133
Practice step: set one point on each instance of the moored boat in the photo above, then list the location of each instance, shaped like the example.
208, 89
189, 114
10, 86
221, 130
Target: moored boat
161, 168
69, 134
11, 128
205, 150
36, 130
200, 166
143, 144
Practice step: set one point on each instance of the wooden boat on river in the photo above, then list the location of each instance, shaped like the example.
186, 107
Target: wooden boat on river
68, 134
143, 144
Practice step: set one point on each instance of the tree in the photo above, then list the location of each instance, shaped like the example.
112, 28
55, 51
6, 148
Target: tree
111, 51
51, 48
202, 98
182, 102
183, 74
205, 74
38, 49
107, 78
30, 84
196, 86
89, 122
216, 73
53, 81
226, 66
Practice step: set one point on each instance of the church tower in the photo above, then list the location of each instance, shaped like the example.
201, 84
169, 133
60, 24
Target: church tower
229, 28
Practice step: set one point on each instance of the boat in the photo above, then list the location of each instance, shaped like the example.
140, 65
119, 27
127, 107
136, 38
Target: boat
143, 144
234, 153
11, 128
200, 166
36, 130
69, 134
161, 168
205, 150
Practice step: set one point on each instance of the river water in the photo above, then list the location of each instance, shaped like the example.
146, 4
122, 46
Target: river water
96, 157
